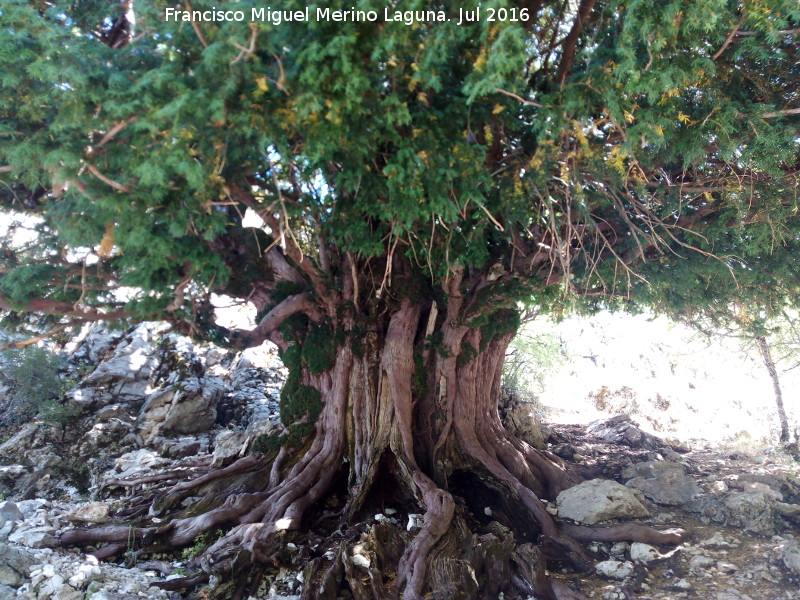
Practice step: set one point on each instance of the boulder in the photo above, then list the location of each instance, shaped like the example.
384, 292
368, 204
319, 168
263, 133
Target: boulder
94, 512
15, 565
752, 511
20, 443
786, 556
227, 446
136, 462
7, 592
663, 482
599, 500
185, 407
622, 430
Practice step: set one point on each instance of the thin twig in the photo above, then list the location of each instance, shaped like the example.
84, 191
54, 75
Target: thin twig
245, 53
518, 98
38, 338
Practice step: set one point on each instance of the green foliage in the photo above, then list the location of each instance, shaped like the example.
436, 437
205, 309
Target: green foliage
37, 385
419, 381
651, 159
467, 354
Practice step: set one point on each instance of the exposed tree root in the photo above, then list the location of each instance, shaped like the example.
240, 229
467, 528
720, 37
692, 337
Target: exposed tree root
631, 532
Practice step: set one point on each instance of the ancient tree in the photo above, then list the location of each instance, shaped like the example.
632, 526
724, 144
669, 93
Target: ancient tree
416, 180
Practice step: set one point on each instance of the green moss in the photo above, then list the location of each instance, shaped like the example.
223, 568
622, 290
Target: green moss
467, 354
291, 357
299, 401
419, 382
298, 432
266, 444
319, 349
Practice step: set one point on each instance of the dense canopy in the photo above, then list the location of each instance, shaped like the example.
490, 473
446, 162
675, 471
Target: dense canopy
614, 148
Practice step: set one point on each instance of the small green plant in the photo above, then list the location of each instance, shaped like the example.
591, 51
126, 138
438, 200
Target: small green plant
201, 542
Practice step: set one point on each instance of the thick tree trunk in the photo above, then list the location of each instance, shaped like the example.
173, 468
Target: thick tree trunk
766, 356
409, 419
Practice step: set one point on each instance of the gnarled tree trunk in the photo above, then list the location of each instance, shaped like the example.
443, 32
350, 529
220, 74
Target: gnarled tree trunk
405, 412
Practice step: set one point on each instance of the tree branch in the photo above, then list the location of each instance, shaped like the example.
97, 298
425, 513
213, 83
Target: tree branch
781, 113
730, 37
56, 307
794, 31
94, 171
269, 324
518, 98
571, 41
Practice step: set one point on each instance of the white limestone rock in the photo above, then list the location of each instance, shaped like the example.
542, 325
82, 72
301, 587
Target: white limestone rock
615, 569
599, 500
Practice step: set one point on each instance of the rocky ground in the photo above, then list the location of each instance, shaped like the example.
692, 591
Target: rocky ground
152, 407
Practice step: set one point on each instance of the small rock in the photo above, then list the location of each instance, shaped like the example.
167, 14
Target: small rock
682, 584
414, 522
700, 562
644, 552
29, 507
716, 541
38, 537
619, 549
94, 512
726, 567
361, 561
615, 569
